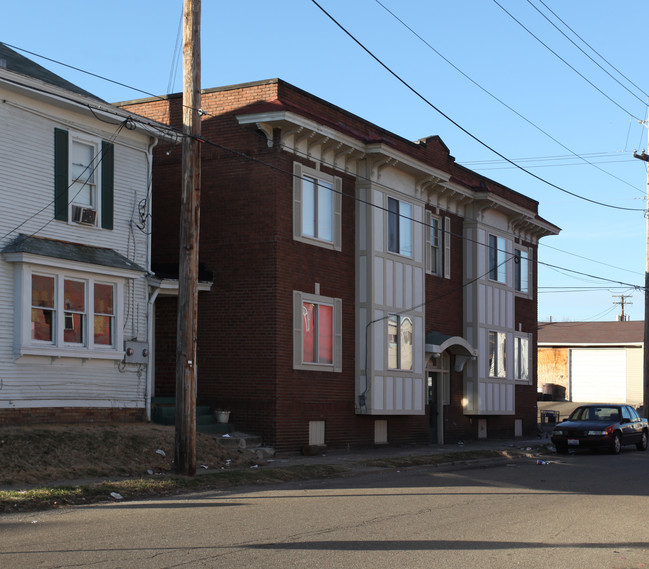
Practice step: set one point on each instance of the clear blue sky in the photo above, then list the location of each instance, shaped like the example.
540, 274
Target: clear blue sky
559, 112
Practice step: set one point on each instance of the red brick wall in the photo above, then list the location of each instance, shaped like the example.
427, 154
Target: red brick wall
245, 359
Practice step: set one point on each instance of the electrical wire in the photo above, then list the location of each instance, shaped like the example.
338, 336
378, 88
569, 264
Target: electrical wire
64, 191
456, 124
175, 58
582, 51
594, 50
562, 59
401, 81
247, 157
355, 198
486, 91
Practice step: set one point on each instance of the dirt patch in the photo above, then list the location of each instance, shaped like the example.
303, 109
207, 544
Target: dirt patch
44, 453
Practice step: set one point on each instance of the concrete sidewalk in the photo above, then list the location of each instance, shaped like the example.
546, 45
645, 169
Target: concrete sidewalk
344, 457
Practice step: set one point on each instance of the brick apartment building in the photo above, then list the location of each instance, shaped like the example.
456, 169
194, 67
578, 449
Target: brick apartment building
365, 288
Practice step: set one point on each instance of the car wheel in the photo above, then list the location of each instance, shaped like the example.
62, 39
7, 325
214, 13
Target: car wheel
642, 445
616, 444
562, 449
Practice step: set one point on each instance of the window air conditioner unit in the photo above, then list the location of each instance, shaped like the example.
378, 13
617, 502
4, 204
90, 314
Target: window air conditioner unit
84, 215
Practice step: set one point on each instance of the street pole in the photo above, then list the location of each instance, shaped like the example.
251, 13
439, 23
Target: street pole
645, 344
185, 449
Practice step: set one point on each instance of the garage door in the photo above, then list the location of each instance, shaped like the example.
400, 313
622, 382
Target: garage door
598, 375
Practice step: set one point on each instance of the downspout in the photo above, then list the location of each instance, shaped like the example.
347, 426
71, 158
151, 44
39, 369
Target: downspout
151, 365
152, 296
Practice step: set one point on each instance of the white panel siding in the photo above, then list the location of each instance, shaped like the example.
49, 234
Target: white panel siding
397, 280
408, 287
418, 393
396, 395
470, 396
396, 398
380, 341
379, 282
378, 393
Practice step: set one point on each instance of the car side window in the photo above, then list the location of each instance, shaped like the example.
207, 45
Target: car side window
626, 414
634, 414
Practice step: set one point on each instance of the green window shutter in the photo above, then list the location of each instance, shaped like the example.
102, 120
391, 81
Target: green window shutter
61, 162
107, 184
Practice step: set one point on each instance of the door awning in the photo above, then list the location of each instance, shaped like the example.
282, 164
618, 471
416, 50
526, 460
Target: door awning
436, 343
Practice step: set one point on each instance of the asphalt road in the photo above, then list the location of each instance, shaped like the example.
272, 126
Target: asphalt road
584, 511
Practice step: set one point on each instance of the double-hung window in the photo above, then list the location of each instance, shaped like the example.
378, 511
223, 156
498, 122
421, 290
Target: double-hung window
497, 259
497, 354
400, 342
521, 271
435, 246
83, 179
399, 227
521, 358
71, 312
317, 205
317, 333
84, 166
438, 246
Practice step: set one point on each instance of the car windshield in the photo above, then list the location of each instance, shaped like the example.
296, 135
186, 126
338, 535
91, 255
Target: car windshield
596, 414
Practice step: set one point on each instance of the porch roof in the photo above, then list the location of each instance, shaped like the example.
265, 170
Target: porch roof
65, 250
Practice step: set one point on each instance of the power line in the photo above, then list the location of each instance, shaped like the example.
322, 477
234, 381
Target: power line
452, 121
561, 58
582, 51
242, 155
175, 58
594, 50
542, 131
474, 137
94, 163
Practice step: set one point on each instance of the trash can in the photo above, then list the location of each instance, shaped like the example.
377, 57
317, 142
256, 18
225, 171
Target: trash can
547, 391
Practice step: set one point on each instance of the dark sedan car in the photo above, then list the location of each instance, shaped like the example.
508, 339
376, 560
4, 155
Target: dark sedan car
604, 426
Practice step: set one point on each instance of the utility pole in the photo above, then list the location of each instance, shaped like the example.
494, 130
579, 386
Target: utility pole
185, 451
622, 304
645, 343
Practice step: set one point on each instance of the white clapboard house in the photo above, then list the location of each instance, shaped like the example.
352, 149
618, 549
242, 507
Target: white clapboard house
75, 188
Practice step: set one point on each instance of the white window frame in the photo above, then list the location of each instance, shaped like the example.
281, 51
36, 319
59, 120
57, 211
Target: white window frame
299, 298
497, 354
438, 255
95, 168
496, 258
434, 244
404, 358
522, 269
25, 345
404, 225
300, 172
522, 358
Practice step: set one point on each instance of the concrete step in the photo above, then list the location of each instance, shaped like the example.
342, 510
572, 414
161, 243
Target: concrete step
238, 440
216, 429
